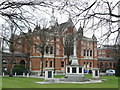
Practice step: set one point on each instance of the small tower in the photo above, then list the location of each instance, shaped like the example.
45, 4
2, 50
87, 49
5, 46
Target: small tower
94, 38
53, 20
70, 20
80, 31
37, 28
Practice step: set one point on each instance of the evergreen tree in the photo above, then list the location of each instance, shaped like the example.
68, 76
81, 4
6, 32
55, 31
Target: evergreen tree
117, 69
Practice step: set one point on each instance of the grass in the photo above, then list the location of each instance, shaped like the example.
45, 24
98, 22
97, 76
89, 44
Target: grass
59, 76
0, 83
24, 82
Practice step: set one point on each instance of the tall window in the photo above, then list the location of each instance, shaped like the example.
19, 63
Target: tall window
101, 64
62, 63
114, 65
71, 50
47, 49
110, 64
57, 49
90, 64
106, 64
51, 50
46, 64
90, 52
84, 52
50, 63
87, 52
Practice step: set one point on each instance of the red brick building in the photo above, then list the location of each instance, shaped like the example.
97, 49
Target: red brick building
106, 57
54, 56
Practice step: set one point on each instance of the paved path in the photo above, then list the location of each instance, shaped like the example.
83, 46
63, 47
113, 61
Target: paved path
86, 82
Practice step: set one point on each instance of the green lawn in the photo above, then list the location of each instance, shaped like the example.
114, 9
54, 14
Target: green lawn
24, 82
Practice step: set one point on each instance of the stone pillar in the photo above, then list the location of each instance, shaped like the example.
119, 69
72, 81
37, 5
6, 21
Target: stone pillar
27, 74
23, 74
15, 73
83, 70
38, 73
3, 74
75, 48
95, 73
49, 74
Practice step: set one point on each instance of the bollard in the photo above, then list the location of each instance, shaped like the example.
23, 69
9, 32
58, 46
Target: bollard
3, 74
15, 74
27, 74
38, 74
23, 74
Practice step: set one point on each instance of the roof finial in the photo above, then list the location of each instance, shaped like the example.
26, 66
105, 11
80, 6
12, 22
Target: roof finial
53, 11
69, 16
52, 21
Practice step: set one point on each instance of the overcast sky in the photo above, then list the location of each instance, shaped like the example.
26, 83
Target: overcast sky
43, 16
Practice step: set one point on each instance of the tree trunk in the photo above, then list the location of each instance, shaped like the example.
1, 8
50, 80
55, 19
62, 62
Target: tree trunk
68, 60
42, 65
11, 65
28, 62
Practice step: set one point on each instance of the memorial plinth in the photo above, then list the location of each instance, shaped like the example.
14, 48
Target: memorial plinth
74, 72
95, 73
49, 74
74, 68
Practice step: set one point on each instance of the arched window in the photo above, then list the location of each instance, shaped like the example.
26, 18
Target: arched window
84, 52
98, 65
47, 49
57, 50
90, 64
87, 52
50, 63
62, 63
114, 65
90, 52
22, 62
46, 64
51, 50
106, 64
110, 64
101, 64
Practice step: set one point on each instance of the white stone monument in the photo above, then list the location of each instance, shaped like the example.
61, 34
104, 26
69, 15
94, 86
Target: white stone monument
95, 73
75, 68
49, 74
74, 72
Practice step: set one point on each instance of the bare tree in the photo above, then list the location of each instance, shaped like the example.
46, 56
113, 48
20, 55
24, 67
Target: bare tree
12, 42
42, 37
68, 46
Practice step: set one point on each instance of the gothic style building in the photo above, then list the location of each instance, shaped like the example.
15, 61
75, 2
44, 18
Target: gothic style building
54, 50
53, 47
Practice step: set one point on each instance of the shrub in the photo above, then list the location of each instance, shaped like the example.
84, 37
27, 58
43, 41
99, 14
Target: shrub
117, 69
19, 69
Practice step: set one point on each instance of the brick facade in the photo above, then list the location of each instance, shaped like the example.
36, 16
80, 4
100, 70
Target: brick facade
106, 57
87, 52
